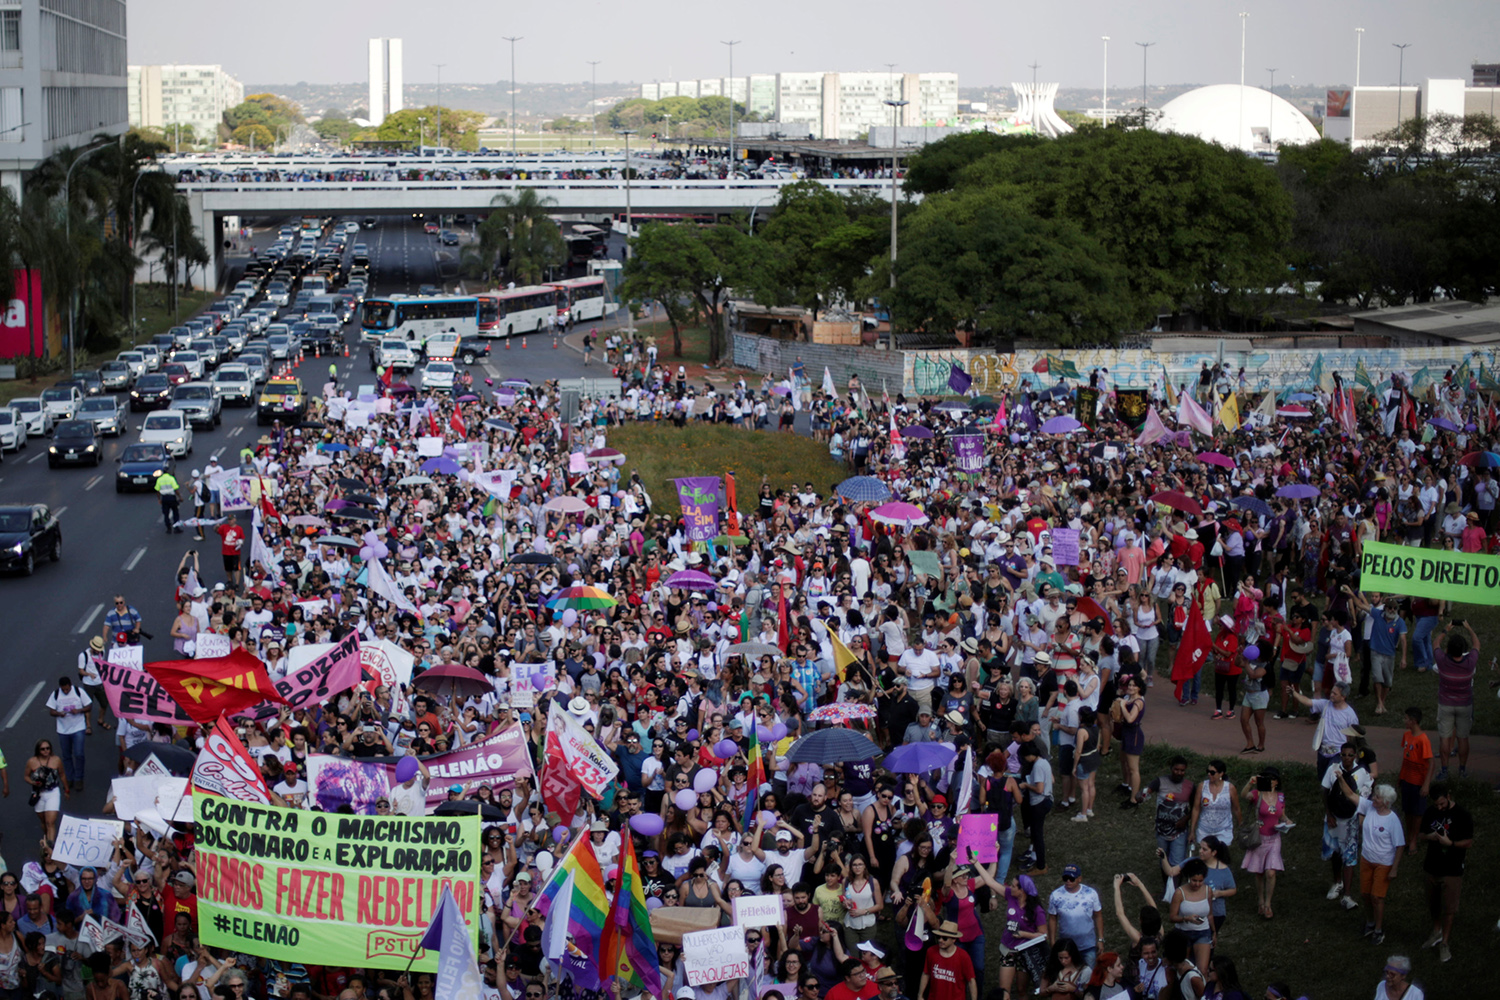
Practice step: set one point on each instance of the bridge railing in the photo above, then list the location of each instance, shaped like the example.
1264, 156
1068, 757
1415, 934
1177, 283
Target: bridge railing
446, 184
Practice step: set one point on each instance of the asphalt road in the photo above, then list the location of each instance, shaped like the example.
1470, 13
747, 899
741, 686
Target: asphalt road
115, 543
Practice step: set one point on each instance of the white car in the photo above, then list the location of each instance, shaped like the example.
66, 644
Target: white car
62, 402
235, 384
33, 414
136, 360
170, 429
12, 430
192, 360
439, 375
106, 413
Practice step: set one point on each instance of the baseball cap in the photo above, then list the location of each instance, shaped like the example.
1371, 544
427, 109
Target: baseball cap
783, 835
867, 946
185, 878
685, 993
523, 876
1072, 871
455, 789
940, 800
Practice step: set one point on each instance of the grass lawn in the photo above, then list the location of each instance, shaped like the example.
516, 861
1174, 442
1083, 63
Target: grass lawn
694, 342
1412, 688
662, 454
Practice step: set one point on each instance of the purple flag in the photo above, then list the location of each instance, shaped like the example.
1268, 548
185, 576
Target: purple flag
958, 379
968, 452
458, 969
701, 498
1025, 414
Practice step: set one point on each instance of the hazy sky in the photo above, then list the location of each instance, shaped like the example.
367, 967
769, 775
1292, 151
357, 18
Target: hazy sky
985, 42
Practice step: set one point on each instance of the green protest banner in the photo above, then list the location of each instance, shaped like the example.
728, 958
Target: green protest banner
1465, 577
329, 888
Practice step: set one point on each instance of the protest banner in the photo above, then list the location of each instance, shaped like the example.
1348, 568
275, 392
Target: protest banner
1131, 406
497, 762
429, 447
978, 833
224, 767
759, 911
335, 668
133, 794
1065, 546
152, 766
715, 956
968, 452
133, 657
135, 694
209, 645
700, 500
585, 759
334, 782
234, 494
92, 931
83, 841
208, 687
1459, 577
298, 886
1086, 406
387, 664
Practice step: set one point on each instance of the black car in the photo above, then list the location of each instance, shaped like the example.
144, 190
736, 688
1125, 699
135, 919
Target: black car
90, 382
28, 532
316, 338
75, 442
152, 392
140, 465
471, 349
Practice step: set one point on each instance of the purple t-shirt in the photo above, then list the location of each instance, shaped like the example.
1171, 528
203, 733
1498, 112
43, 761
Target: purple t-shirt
1456, 679
1019, 916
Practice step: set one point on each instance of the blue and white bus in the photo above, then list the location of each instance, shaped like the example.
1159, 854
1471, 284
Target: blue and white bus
415, 318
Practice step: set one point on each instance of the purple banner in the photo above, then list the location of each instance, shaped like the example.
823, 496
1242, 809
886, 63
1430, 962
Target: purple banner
497, 762
968, 452
1065, 546
701, 498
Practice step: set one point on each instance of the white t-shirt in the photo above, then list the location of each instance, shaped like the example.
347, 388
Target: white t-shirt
74, 705
1380, 836
410, 801
920, 668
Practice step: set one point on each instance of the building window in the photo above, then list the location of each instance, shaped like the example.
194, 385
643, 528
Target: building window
10, 31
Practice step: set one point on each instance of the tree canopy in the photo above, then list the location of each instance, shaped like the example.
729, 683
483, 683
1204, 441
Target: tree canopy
460, 128
263, 109
680, 117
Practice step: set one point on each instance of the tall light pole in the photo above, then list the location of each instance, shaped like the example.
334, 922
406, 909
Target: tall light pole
730, 87
594, 100
895, 146
68, 241
1400, 77
135, 223
513, 39
1104, 91
1359, 38
1145, 50
1034, 67
1239, 135
1271, 104
627, 133
421, 131
440, 102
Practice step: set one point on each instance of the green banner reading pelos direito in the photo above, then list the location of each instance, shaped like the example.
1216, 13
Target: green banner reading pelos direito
329, 888
1464, 577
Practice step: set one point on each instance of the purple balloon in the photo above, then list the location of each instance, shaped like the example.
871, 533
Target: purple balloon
366, 553
1252, 652
725, 749
569, 618
767, 819
778, 731
406, 769
653, 902
693, 734
560, 832
646, 824
685, 799
763, 734
705, 781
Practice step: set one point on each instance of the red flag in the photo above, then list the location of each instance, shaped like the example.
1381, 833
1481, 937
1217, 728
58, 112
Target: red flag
437, 431
387, 377
457, 423
1192, 654
783, 632
731, 511
1041, 366
217, 685
561, 791
224, 767
1090, 607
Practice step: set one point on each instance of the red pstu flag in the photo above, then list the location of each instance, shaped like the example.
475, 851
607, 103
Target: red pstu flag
457, 423
217, 685
224, 767
1192, 653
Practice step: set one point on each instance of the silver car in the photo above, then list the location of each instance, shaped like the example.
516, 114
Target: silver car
106, 413
198, 402
12, 430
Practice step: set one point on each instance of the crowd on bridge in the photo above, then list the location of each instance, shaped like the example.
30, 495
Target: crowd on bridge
814, 703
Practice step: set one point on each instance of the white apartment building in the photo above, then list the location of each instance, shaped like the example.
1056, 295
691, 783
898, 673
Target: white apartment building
62, 78
385, 78
831, 105
164, 96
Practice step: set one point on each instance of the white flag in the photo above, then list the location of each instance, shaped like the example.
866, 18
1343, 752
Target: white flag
382, 584
829, 389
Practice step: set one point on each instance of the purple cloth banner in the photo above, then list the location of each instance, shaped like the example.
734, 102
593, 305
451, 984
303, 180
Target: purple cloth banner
1065, 546
497, 762
958, 379
701, 498
968, 452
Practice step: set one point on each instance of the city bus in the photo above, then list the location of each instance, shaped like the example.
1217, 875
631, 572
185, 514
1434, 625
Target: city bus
527, 309
415, 318
580, 299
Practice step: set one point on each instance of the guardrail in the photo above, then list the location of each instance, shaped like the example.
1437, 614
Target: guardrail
263, 187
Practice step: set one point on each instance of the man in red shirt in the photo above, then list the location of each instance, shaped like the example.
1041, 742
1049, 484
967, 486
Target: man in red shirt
948, 973
232, 537
857, 984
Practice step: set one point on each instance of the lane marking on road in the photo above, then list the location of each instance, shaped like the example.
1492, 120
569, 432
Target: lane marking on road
134, 560
87, 621
236, 431
23, 704
39, 456
93, 482
215, 455
59, 512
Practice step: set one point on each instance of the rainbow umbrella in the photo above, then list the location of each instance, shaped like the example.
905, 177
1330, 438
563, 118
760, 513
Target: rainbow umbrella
581, 599
841, 712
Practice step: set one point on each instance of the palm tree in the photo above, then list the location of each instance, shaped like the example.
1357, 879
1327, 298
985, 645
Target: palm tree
519, 238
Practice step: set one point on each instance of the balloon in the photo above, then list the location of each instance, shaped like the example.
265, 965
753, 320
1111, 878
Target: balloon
763, 734
1252, 652
706, 780
570, 618
767, 819
693, 734
560, 832
366, 553
653, 902
724, 749
778, 731
685, 798
406, 769
646, 824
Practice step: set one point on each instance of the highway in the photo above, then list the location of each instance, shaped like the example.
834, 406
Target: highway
115, 543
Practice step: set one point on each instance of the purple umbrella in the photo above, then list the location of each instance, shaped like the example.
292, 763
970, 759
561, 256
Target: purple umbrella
691, 579
916, 431
441, 464
469, 398
1443, 424
1299, 491
919, 758
1061, 425
337, 505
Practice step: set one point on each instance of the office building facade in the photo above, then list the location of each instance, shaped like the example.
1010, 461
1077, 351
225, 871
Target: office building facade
163, 97
385, 78
1361, 115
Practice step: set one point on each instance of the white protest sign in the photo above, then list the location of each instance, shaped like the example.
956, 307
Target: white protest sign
153, 767
86, 841
759, 911
429, 447
211, 645
133, 794
234, 494
92, 931
715, 956
127, 656
355, 419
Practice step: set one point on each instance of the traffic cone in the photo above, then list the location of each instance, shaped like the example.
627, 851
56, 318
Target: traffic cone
507, 343
523, 343
554, 341
346, 348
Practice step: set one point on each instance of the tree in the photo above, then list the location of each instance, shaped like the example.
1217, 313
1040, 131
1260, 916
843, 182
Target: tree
414, 125
256, 136
938, 165
335, 128
668, 287
1446, 141
805, 213
263, 109
518, 237
704, 262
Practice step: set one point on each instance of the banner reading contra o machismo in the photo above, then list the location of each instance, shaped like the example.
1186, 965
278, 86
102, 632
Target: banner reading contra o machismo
1465, 577
329, 889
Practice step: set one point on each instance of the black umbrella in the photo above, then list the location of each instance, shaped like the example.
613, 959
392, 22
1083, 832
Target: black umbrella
468, 807
534, 559
310, 425
833, 746
362, 498
178, 760
351, 484
984, 406
355, 514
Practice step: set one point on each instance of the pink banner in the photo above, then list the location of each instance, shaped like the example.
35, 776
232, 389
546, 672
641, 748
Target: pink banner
135, 694
498, 762
336, 670
21, 330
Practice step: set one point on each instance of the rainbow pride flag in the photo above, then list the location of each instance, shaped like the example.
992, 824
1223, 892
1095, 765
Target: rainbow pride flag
629, 947
587, 904
755, 776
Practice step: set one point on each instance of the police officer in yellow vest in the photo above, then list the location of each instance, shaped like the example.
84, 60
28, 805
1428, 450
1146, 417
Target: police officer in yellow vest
166, 488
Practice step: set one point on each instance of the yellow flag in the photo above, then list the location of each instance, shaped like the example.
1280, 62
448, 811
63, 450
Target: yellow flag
842, 654
1171, 391
1229, 413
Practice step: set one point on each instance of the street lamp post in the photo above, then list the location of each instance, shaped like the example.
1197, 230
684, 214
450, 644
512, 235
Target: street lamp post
1359, 38
627, 133
513, 39
1271, 119
895, 146
68, 241
440, 102
1239, 135
1104, 92
1145, 49
1400, 77
729, 83
421, 131
594, 100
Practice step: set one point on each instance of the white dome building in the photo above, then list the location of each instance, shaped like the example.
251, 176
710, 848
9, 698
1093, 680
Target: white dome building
1214, 114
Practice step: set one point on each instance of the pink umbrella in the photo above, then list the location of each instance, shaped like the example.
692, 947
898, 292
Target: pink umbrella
691, 579
1214, 458
896, 512
455, 679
